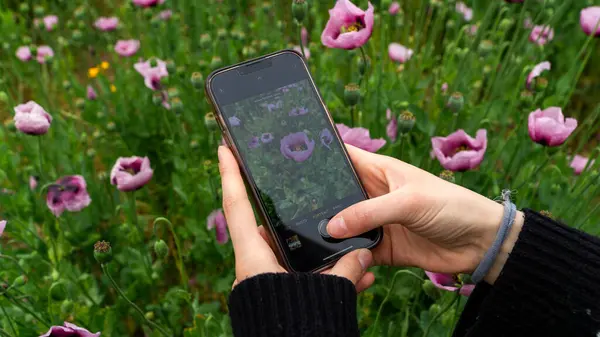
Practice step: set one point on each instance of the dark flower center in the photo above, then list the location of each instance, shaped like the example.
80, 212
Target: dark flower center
299, 147
462, 148
354, 27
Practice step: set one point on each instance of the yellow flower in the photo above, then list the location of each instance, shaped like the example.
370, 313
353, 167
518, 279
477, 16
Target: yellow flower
105, 65
93, 72
113, 88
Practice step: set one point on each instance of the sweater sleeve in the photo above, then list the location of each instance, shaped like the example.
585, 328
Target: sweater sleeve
548, 286
294, 305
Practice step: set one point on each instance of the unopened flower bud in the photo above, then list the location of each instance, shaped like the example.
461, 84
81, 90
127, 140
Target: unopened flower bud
505, 24
406, 121
76, 35
216, 62
485, 47
79, 103
176, 105
149, 315
448, 176
24, 7
430, 290
161, 249
194, 144
66, 307
79, 12
58, 291
351, 94
66, 85
299, 8
210, 121
197, 80
448, 317
38, 10
173, 92
111, 126
19, 281
3, 97
456, 102
205, 40
102, 252
221, 33
157, 98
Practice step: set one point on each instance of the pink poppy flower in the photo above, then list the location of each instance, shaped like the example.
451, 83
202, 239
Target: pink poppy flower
152, 74
537, 71
472, 30
70, 330
589, 19
541, 35
306, 51
2, 226
33, 182
107, 24
394, 8
165, 15
91, 93
549, 127
50, 22
298, 111
304, 36
297, 146
44, 53
349, 27
399, 53
127, 47
392, 127
32, 119
444, 88
68, 193
527, 23
131, 173
326, 138
23, 53
148, 3
459, 151
217, 220
579, 163
464, 10
360, 137
450, 283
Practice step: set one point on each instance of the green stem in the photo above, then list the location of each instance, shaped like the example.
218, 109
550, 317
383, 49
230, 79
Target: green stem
352, 108
534, 174
581, 65
134, 219
10, 322
42, 174
588, 216
387, 296
439, 314
149, 322
363, 54
6, 334
182, 273
455, 316
401, 146
24, 308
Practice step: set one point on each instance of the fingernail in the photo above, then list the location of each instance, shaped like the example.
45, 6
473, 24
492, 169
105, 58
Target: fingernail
365, 258
337, 227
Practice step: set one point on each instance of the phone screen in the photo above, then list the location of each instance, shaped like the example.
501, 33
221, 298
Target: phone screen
298, 168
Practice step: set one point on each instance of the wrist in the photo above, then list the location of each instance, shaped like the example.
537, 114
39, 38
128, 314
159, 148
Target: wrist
506, 249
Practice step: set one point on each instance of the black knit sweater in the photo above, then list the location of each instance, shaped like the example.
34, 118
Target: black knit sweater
550, 286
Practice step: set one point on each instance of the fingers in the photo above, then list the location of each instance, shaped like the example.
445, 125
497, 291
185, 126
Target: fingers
369, 214
353, 265
365, 282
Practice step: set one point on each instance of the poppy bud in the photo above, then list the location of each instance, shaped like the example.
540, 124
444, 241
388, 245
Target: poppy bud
205, 40
485, 47
66, 307
149, 315
210, 121
176, 104
363, 66
448, 176
38, 10
526, 97
3, 97
79, 13
351, 94
102, 252
216, 62
431, 291
79, 103
157, 98
19, 281
24, 7
299, 8
173, 92
197, 80
58, 291
406, 121
111, 126
448, 317
505, 24
66, 85
221, 33
456, 102
161, 249
194, 144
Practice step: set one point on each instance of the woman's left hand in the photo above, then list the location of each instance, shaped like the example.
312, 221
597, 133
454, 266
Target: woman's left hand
253, 252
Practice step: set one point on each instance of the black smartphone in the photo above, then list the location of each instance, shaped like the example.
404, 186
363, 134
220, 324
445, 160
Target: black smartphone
292, 157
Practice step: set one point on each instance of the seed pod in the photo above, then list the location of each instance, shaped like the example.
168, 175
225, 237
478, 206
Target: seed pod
299, 9
456, 102
210, 121
448, 176
351, 94
58, 291
430, 289
406, 121
19, 281
161, 249
102, 252
197, 80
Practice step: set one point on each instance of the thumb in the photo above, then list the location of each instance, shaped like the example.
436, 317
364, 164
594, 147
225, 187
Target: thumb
353, 265
394, 207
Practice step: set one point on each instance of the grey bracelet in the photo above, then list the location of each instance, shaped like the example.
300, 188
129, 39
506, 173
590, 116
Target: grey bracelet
508, 218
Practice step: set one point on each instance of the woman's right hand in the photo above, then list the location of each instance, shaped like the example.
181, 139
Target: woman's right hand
428, 222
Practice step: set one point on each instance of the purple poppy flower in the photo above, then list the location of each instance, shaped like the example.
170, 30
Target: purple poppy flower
528, 23
266, 138
91, 93
23, 53
44, 53
589, 19
459, 151
152, 74
464, 10
131, 173
298, 111
349, 27
107, 24
217, 220
253, 143
2, 226
444, 88
537, 71
32, 119
304, 36
394, 8
326, 138
549, 127
541, 35
276, 105
50, 21
127, 47
360, 137
579, 163
68, 193
165, 15
392, 127
69, 330
33, 182
450, 283
297, 146
472, 30
399, 53
148, 3
234, 121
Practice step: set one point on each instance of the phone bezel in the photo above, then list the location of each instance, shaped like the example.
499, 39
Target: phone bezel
231, 144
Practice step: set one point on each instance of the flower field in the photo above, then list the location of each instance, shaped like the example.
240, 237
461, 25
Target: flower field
110, 220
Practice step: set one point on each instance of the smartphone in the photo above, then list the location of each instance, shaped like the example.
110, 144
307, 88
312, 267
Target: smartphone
291, 155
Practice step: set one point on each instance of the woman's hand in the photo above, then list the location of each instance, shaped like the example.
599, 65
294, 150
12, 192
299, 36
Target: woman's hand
253, 253
428, 222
